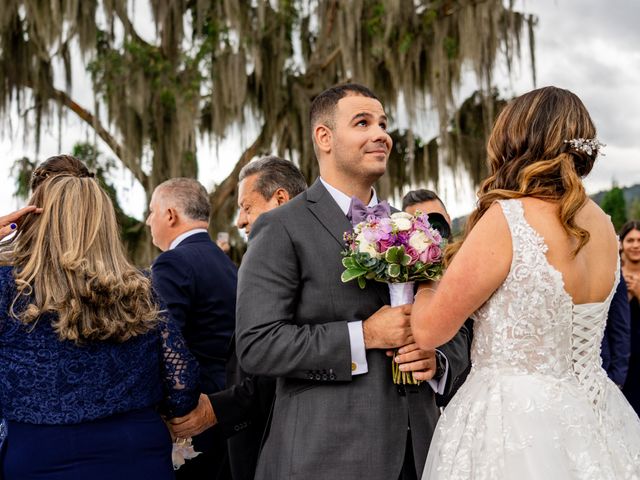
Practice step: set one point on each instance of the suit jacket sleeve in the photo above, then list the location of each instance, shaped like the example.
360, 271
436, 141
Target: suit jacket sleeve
457, 352
238, 406
618, 332
171, 278
271, 341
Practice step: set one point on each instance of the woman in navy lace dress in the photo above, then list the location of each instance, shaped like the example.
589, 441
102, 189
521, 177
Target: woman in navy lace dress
87, 360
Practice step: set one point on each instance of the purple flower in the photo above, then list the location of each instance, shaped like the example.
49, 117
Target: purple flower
433, 254
376, 229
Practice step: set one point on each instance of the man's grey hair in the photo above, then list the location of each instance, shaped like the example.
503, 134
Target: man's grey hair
188, 196
274, 173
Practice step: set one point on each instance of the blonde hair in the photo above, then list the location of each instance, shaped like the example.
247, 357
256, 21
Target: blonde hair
69, 260
529, 156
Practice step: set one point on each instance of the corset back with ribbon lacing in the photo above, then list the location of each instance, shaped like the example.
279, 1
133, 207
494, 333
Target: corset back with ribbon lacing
531, 325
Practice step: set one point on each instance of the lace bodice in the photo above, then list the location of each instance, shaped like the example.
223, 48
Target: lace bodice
47, 381
530, 324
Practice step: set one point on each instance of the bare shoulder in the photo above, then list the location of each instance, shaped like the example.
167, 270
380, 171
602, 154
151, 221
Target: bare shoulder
596, 221
493, 222
490, 234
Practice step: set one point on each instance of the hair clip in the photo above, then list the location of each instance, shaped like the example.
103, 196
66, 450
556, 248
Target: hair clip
586, 145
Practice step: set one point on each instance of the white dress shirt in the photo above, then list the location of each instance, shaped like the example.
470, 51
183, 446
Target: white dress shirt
187, 234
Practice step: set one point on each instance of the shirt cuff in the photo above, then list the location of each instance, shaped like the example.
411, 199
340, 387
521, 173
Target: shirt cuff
358, 352
439, 385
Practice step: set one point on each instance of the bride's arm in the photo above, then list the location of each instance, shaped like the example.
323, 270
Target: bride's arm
478, 269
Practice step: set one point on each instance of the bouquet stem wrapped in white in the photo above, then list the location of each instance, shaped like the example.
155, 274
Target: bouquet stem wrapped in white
401, 294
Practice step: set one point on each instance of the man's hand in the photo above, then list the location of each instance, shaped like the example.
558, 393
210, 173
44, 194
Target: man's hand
422, 363
196, 421
389, 327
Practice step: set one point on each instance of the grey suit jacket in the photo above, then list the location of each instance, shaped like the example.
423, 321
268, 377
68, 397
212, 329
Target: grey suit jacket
292, 314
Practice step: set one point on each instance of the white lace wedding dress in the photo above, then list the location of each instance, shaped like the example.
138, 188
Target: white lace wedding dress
537, 403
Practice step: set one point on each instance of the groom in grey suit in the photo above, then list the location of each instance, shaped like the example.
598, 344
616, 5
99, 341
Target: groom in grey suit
337, 413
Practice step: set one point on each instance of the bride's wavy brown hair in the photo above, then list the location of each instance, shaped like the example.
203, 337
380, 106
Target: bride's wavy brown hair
69, 260
528, 156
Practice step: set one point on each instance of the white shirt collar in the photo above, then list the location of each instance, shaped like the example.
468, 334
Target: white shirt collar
187, 234
343, 200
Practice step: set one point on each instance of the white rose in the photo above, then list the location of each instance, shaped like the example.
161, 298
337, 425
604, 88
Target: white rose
402, 220
366, 247
419, 241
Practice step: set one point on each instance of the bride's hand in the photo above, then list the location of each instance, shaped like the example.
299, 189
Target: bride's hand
422, 363
9, 223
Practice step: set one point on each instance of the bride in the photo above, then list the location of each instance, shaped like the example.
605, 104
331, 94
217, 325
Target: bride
536, 270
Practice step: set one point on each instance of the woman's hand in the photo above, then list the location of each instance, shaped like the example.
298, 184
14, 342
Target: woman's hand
633, 285
9, 223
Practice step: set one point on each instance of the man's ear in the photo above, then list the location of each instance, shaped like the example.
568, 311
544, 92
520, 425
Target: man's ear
322, 136
281, 196
172, 216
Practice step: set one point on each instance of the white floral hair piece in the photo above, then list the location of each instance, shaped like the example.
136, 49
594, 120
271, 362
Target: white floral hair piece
586, 145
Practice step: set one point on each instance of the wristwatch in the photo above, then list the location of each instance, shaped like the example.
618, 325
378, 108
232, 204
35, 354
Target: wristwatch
440, 365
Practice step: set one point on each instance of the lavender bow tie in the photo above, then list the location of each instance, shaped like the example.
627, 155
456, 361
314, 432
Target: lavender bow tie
358, 211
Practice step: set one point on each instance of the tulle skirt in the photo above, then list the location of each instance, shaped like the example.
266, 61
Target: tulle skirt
502, 425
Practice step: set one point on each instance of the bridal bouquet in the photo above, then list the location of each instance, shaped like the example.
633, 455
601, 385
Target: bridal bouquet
397, 249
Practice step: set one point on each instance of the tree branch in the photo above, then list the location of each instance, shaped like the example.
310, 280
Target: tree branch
128, 26
229, 184
102, 132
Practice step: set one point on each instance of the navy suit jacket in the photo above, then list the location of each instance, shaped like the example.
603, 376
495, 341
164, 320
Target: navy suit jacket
616, 343
197, 282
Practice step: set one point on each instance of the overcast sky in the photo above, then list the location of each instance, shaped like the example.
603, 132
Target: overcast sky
588, 46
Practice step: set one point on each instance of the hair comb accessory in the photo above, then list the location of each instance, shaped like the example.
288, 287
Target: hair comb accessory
587, 145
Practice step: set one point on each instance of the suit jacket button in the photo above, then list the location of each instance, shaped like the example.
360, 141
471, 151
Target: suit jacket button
324, 376
332, 377
310, 376
318, 377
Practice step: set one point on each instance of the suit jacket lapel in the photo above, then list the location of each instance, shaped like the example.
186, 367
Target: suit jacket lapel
326, 210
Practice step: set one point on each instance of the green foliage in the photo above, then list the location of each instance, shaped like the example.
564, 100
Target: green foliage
614, 204
21, 170
394, 266
450, 46
634, 209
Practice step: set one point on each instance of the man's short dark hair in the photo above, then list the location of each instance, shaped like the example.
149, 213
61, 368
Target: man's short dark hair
274, 173
324, 105
419, 196
188, 195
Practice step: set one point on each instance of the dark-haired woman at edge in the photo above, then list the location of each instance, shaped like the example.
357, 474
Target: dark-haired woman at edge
630, 247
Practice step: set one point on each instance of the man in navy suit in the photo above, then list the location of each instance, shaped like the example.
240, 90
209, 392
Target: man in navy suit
241, 411
197, 281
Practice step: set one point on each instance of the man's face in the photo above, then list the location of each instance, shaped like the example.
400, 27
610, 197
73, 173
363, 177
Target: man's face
360, 142
429, 206
251, 203
158, 222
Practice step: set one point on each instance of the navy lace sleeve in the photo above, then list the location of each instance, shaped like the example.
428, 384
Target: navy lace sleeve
180, 372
